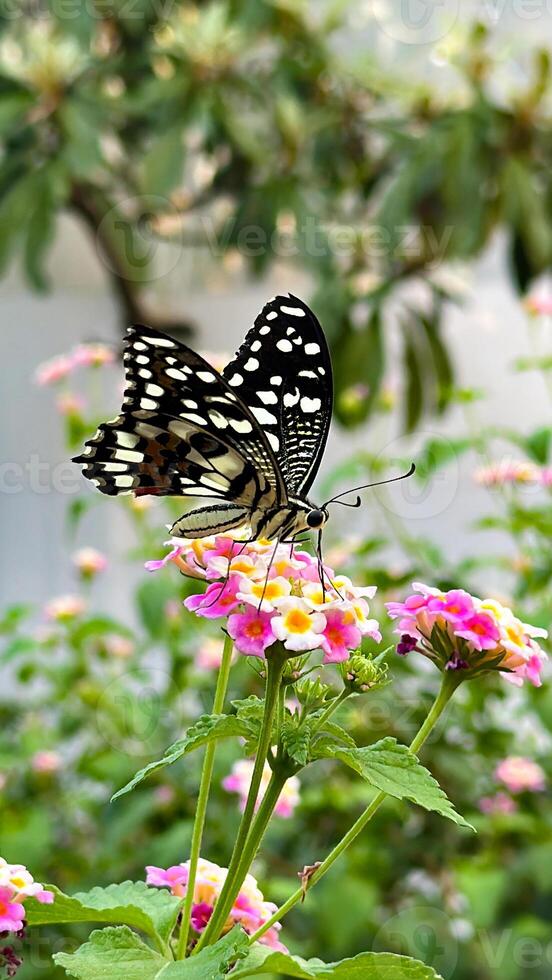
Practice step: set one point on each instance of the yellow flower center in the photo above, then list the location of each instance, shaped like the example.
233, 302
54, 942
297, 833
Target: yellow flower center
271, 590
297, 621
254, 629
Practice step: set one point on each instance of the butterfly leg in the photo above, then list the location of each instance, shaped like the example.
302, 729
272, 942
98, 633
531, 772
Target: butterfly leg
225, 580
271, 562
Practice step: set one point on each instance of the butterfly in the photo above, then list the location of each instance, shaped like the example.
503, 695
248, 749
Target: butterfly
250, 438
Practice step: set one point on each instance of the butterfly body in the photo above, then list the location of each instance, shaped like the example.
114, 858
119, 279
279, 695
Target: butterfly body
251, 438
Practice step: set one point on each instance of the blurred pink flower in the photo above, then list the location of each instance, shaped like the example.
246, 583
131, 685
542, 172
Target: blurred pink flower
67, 403
507, 471
46, 760
64, 608
538, 304
521, 775
92, 355
89, 562
239, 781
54, 370
208, 655
499, 803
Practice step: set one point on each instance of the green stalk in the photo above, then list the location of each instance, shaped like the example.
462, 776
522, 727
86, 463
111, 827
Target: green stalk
202, 800
333, 706
449, 684
276, 658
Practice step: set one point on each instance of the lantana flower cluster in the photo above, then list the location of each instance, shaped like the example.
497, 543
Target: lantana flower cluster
239, 780
273, 594
459, 631
249, 910
16, 885
507, 471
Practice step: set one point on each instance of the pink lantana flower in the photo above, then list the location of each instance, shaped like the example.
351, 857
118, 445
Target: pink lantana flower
219, 599
461, 632
251, 631
64, 608
250, 908
16, 886
270, 594
340, 635
175, 878
521, 775
297, 626
239, 781
12, 914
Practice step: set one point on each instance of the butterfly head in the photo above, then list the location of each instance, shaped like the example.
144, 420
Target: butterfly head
316, 518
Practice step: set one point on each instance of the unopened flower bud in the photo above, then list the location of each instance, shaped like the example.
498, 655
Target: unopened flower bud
362, 674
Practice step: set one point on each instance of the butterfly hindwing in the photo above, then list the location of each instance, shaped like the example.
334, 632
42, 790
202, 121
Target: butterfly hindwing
182, 431
283, 373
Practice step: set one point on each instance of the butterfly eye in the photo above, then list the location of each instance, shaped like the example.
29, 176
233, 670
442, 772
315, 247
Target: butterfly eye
316, 518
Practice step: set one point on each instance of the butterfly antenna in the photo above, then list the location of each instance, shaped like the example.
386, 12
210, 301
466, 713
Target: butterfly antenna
366, 486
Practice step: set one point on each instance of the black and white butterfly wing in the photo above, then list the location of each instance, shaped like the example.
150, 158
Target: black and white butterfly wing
283, 373
182, 431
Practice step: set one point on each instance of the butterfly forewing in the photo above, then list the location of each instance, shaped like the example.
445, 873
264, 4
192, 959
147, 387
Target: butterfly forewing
183, 430
283, 373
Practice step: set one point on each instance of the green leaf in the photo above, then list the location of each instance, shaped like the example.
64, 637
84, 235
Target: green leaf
207, 729
296, 739
365, 966
119, 954
163, 163
130, 903
395, 770
112, 954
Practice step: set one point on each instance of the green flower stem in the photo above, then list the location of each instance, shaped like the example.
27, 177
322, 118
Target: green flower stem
202, 799
449, 684
333, 706
276, 658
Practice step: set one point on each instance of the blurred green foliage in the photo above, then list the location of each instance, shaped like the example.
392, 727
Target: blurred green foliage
267, 129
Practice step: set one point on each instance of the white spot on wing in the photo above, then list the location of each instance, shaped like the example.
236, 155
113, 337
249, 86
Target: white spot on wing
263, 417
272, 315
123, 481
144, 373
138, 345
160, 341
276, 379
127, 439
140, 358
312, 348
292, 310
235, 380
176, 374
284, 346
241, 425
291, 398
206, 376
255, 346
217, 419
148, 404
155, 390
310, 404
273, 441
252, 364
268, 397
